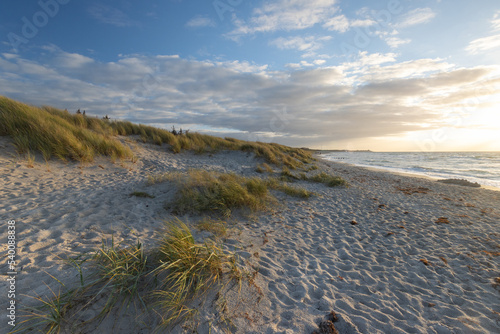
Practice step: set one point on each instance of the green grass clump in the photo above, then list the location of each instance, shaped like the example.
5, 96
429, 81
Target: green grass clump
201, 191
261, 168
158, 178
311, 168
187, 269
216, 227
279, 185
120, 270
287, 175
329, 180
296, 191
141, 194
277, 154
50, 315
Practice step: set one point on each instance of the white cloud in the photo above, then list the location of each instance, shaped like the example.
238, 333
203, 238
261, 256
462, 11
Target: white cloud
374, 96
496, 21
242, 66
362, 23
9, 55
110, 15
369, 60
285, 15
200, 22
307, 44
338, 23
419, 68
486, 43
395, 42
415, 17
341, 23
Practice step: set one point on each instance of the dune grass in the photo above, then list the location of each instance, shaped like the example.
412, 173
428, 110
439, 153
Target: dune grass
175, 272
278, 184
44, 130
329, 180
49, 315
141, 194
186, 269
57, 133
120, 270
261, 168
201, 191
216, 227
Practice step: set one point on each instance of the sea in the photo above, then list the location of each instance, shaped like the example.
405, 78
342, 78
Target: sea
480, 167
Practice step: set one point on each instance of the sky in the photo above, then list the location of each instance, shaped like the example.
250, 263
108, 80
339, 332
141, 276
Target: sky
389, 75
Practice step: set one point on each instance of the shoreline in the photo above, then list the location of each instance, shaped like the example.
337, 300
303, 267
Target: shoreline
378, 252
402, 173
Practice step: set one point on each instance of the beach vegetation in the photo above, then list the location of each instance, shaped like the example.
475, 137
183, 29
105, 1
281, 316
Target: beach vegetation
264, 167
60, 134
186, 270
200, 191
168, 278
327, 179
30, 159
286, 175
141, 194
157, 178
217, 227
121, 267
267, 168
311, 168
278, 184
56, 134
50, 315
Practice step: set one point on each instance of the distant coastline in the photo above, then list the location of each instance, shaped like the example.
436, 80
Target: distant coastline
337, 151
475, 167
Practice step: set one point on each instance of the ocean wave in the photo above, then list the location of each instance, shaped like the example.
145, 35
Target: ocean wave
473, 166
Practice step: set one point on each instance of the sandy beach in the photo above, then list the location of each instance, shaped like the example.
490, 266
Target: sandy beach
388, 254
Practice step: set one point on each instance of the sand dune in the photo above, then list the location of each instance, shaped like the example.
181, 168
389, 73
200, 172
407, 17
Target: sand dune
376, 253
